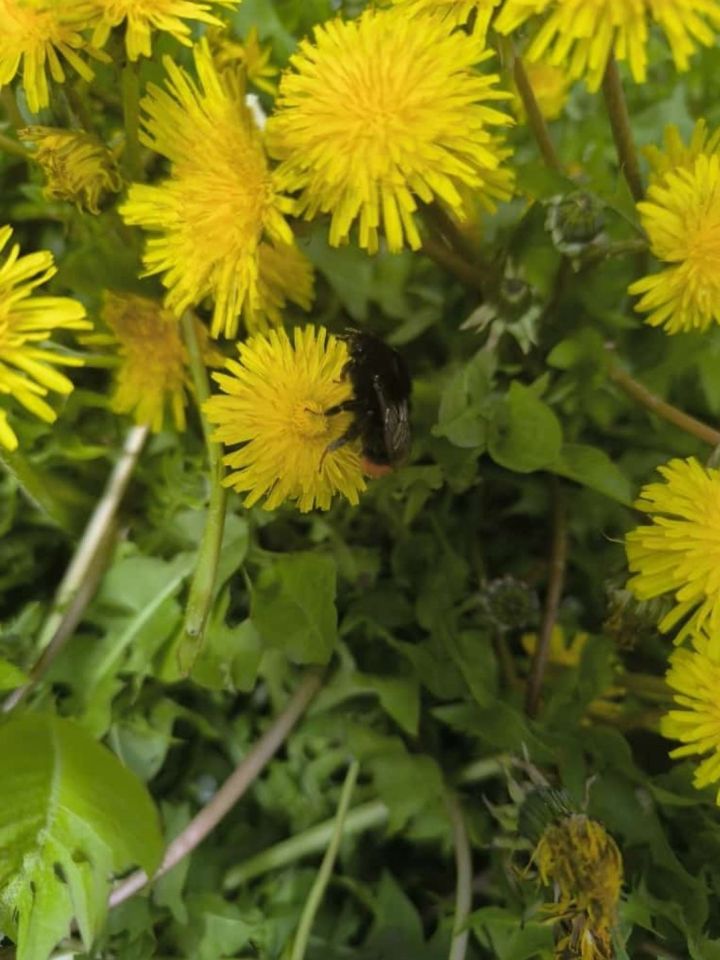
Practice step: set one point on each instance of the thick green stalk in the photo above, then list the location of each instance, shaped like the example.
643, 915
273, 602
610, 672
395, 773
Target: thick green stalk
317, 891
202, 587
130, 90
463, 880
622, 132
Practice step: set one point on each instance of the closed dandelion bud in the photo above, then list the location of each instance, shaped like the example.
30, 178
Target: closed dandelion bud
574, 221
508, 604
78, 167
581, 862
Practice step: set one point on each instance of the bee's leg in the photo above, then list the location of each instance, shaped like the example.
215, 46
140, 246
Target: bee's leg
347, 406
352, 433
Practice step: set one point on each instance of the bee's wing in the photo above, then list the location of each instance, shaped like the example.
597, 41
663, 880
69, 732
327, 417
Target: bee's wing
396, 426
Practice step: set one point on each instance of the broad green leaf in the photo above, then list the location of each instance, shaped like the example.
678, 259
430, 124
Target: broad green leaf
500, 931
525, 434
71, 815
293, 606
10, 675
462, 416
593, 468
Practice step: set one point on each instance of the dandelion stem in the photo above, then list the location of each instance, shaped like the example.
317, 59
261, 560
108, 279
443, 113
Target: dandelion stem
130, 88
13, 147
242, 777
83, 574
446, 258
558, 559
620, 123
463, 883
322, 879
49, 494
202, 587
662, 408
536, 120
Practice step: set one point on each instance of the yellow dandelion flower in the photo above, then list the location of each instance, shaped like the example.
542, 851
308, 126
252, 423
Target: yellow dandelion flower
679, 552
152, 368
35, 35
379, 111
78, 167
27, 359
583, 33
220, 205
694, 675
273, 404
550, 85
455, 12
676, 154
582, 862
142, 17
681, 217
250, 55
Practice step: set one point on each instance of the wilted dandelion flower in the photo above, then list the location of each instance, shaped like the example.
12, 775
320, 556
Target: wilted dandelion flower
35, 35
220, 209
27, 358
583, 33
681, 217
145, 16
152, 368
78, 167
455, 12
273, 403
581, 861
694, 675
379, 112
679, 552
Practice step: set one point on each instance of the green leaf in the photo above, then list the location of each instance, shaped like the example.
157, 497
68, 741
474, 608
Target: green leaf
10, 675
462, 416
593, 468
293, 606
71, 814
525, 435
500, 931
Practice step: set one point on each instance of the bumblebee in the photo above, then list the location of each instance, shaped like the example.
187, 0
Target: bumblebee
380, 403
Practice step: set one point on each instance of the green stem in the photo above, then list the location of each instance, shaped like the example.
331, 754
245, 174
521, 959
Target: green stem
46, 492
202, 588
647, 686
622, 132
536, 121
662, 408
445, 257
326, 867
366, 816
130, 88
88, 563
463, 883
13, 147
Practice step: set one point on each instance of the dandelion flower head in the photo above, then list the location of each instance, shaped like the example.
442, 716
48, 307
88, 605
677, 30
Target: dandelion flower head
694, 676
560, 652
380, 112
214, 217
273, 403
248, 54
78, 167
145, 16
152, 360
584, 33
678, 553
681, 217
28, 361
581, 861
35, 35
550, 85
455, 12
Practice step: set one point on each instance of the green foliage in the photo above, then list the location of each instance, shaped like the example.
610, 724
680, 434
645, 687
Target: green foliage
67, 803
421, 607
